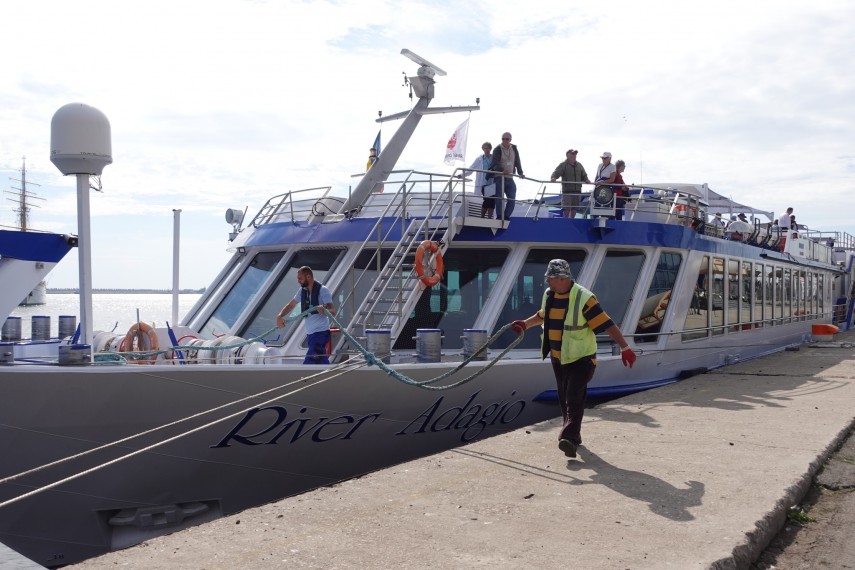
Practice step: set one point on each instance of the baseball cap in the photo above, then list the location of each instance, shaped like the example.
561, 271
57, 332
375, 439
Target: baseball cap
559, 268
606, 154
572, 151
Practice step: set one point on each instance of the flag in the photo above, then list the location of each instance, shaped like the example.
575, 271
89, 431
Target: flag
376, 147
456, 147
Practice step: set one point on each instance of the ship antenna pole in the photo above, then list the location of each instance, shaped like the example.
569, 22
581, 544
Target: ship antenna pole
84, 255
81, 145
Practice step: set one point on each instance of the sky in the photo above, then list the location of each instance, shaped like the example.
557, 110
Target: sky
217, 104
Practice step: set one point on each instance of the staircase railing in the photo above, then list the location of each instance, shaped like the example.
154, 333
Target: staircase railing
394, 291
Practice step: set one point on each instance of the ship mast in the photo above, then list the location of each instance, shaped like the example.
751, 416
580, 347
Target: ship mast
422, 84
21, 197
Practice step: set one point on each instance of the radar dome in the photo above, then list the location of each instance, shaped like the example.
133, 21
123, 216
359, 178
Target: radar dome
80, 140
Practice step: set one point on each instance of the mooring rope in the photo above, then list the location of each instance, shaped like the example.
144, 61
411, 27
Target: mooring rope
372, 360
330, 374
368, 358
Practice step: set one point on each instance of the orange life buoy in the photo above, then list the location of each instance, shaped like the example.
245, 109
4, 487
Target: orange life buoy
146, 341
437, 267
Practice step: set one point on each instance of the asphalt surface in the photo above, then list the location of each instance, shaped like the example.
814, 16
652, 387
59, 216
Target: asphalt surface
698, 474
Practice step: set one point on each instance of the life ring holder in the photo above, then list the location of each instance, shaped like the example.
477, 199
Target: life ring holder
430, 247
140, 331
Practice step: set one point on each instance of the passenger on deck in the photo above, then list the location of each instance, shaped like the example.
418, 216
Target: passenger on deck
483, 163
621, 191
784, 220
718, 222
506, 161
607, 171
572, 174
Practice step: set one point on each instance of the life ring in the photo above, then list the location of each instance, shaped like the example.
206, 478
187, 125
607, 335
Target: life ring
437, 267
140, 332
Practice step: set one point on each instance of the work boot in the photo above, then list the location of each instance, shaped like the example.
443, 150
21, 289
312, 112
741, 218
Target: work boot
568, 447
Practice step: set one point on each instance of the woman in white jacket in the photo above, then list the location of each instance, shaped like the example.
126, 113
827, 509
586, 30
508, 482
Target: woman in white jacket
483, 163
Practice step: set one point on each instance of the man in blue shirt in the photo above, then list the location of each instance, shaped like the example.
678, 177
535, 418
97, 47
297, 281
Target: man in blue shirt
312, 294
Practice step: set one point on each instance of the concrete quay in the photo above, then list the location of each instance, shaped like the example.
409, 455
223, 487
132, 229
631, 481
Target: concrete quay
698, 474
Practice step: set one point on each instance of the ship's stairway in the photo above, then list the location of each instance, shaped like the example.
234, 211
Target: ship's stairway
397, 287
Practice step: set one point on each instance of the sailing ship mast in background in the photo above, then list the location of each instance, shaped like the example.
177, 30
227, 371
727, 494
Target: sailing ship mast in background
23, 200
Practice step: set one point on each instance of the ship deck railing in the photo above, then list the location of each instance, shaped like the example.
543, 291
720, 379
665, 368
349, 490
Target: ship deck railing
413, 193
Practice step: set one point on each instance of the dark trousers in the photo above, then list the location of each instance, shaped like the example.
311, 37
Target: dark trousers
572, 381
317, 353
505, 207
620, 205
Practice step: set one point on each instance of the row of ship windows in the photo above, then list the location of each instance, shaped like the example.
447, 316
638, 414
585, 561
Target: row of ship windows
729, 295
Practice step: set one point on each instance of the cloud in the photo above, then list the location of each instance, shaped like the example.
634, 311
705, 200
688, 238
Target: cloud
225, 103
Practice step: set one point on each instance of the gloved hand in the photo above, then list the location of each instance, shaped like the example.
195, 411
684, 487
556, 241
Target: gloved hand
628, 357
518, 327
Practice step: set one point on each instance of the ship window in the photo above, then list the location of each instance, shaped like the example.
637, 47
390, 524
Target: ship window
771, 294
816, 294
798, 295
264, 317
242, 293
696, 323
810, 295
787, 296
616, 281
759, 294
733, 295
658, 296
357, 284
526, 295
455, 302
748, 292
716, 298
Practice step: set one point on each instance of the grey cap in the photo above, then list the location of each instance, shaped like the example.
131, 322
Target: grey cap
559, 268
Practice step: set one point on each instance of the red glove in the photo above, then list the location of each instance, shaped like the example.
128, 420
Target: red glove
627, 356
518, 327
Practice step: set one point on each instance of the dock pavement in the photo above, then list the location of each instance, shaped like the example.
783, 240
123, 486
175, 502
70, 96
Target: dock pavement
697, 474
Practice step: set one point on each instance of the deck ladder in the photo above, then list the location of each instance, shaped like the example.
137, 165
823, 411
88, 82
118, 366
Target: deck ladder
397, 288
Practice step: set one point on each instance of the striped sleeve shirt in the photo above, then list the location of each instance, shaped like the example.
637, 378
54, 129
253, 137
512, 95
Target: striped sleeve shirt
598, 320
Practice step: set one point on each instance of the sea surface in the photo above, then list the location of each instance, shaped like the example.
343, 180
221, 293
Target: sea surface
110, 311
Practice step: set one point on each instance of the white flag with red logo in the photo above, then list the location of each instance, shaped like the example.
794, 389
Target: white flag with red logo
456, 147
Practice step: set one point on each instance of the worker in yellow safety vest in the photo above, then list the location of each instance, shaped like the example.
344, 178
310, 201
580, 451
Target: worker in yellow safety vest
572, 317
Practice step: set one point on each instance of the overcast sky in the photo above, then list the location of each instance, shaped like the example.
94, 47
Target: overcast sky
221, 104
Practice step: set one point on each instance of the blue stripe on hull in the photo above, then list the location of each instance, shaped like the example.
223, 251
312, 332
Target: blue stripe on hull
608, 391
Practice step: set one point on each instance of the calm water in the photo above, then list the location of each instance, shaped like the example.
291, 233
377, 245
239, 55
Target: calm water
109, 310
